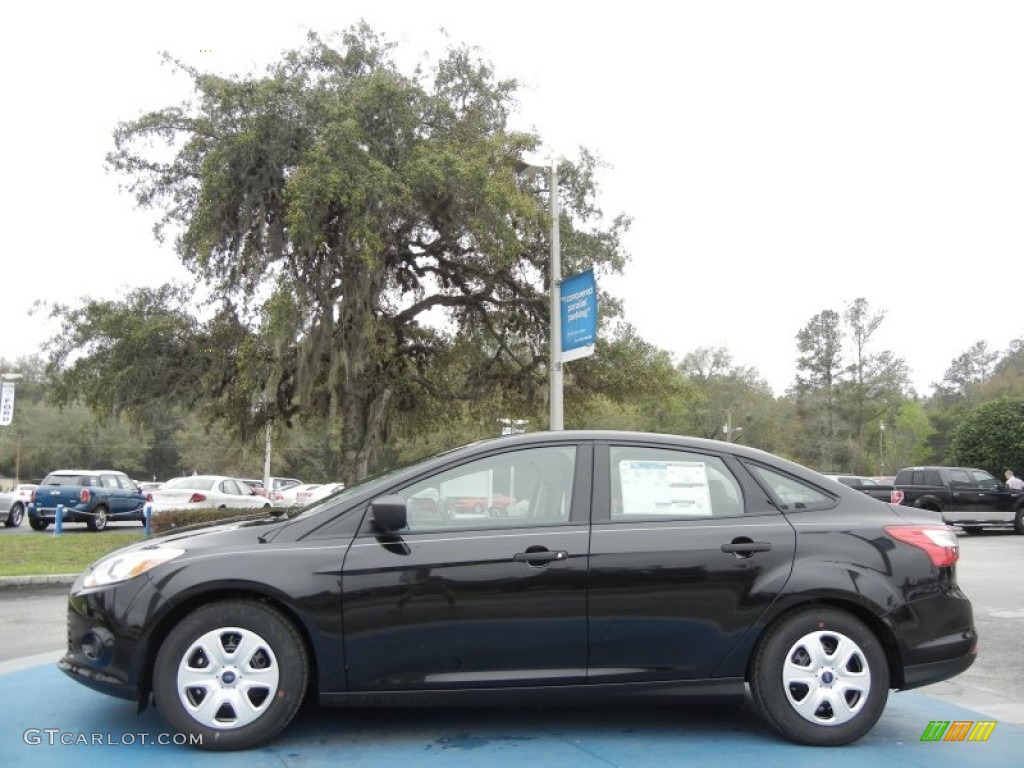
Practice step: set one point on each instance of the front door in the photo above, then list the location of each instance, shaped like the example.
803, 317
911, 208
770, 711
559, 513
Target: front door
487, 584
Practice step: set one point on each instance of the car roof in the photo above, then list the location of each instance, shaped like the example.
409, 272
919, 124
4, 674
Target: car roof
655, 439
91, 472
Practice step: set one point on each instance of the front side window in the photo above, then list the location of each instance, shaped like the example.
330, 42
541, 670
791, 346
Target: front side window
665, 484
527, 487
984, 479
125, 483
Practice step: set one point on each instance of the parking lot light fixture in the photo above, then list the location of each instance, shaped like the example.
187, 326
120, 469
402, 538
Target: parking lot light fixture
550, 163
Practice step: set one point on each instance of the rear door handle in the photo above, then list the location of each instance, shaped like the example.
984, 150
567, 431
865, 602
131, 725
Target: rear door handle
540, 557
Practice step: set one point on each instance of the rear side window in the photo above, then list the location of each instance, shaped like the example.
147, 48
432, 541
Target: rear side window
958, 478
918, 477
665, 484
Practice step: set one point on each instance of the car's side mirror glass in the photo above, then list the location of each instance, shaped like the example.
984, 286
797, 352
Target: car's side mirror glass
389, 513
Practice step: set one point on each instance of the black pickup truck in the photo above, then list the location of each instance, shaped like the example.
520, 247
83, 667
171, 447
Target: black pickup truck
970, 498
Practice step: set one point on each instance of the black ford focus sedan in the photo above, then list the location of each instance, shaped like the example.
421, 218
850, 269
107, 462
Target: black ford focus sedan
541, 568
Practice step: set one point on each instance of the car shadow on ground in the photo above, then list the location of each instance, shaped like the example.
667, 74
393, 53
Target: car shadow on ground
597, 735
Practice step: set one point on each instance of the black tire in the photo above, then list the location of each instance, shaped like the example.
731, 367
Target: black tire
98, 520
1018, 522
15, 515
202, 647
843, 662
973, 530
37, 524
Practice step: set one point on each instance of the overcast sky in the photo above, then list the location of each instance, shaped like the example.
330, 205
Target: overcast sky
778, 158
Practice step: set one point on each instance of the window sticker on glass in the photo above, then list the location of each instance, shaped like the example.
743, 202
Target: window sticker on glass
664, 488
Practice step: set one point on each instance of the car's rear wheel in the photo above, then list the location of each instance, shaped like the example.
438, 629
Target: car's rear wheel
15, 515
233, 673
1018, 522
98, 520
973, 530
37, 524
820, 677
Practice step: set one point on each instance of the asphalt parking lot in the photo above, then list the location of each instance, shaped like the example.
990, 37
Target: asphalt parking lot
51, 720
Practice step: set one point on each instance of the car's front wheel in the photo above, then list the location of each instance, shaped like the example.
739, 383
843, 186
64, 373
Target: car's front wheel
820, 677
231, 673
15, 515
1018, 522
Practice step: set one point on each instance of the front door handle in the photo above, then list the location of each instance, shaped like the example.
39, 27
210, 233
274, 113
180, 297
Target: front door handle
744, 547
539, 556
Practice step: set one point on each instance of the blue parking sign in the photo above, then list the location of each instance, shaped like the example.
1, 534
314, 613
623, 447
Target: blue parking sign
578, 299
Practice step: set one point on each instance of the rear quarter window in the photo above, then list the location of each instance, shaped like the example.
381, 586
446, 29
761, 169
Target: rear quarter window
790, 493
85, 480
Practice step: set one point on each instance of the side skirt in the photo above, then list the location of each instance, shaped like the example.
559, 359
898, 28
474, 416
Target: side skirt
717, 691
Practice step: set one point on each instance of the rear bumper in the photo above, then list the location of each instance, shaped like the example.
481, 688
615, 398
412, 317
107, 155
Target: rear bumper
937, 637
937, 671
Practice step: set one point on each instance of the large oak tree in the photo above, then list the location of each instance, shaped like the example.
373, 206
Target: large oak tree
369, 246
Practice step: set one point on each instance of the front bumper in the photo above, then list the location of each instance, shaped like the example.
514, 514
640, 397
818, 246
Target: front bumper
104, 631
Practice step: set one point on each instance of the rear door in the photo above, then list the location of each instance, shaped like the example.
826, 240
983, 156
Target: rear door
685, 557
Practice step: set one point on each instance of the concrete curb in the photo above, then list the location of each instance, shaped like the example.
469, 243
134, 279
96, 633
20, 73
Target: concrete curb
50, 580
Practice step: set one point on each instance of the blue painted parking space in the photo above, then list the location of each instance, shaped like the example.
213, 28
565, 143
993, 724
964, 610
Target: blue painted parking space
52, 721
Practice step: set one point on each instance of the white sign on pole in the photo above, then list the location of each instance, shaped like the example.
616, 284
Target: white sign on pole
6, 403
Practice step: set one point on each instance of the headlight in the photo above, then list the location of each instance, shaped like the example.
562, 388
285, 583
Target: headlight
121, 567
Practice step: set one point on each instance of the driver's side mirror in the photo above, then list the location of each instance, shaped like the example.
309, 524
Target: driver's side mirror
389, 513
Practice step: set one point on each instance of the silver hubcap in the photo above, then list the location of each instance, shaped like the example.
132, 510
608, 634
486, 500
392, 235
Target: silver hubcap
826, 678
228, 678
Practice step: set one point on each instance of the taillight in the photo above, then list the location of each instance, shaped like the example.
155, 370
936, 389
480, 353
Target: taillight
895, 497
84, 496
32, 498
938, 541
196, 498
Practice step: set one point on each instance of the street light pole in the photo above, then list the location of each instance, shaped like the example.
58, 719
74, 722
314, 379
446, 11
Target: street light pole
556, 421
882, 435
556, 312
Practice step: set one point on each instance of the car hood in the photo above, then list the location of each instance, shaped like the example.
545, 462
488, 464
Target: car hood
238, 529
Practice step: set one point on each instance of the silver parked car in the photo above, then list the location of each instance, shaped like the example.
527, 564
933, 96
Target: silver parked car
13, 504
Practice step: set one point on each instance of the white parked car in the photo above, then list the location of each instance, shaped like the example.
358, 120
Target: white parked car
205, 492
288, 497
317, 492
14, 503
